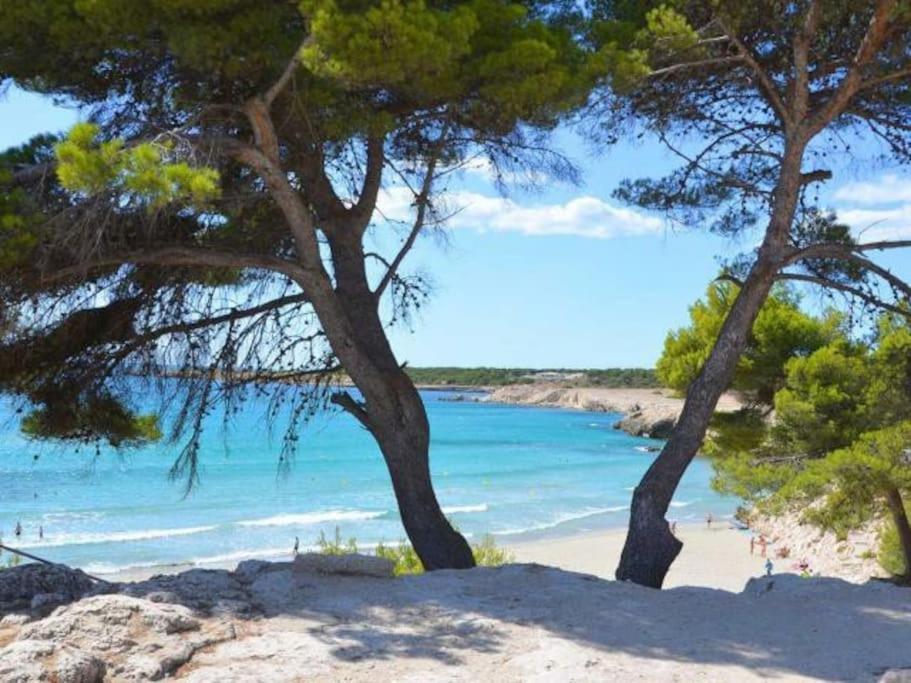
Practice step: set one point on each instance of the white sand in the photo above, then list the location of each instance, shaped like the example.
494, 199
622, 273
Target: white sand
716, 558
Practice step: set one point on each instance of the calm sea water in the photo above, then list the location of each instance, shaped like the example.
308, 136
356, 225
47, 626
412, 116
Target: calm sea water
515, 472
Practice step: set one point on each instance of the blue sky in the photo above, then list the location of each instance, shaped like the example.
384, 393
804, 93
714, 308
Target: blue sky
565, 276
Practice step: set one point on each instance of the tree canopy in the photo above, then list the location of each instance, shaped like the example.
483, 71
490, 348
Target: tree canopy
211, 226
781, 331
754, 99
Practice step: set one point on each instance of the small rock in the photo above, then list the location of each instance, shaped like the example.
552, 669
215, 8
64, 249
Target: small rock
45, 603
351, 565
79, 667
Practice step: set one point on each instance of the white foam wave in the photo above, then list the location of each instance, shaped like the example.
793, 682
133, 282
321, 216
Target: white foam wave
305, 518
563, 519
238, 555
56, 540
682, 503
455, 509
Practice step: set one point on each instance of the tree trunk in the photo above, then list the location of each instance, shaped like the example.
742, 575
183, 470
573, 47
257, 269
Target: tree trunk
393, 411
650, 548
403, 434
900, 517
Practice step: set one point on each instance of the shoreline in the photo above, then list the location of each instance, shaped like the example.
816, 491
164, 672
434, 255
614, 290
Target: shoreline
712, 558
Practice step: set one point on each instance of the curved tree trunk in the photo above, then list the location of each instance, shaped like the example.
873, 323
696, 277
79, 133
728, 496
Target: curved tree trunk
392, 411
900, 517
650, 548
403, 434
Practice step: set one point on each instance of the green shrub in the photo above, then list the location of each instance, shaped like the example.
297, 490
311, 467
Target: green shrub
335, 545
405, 559
891, 557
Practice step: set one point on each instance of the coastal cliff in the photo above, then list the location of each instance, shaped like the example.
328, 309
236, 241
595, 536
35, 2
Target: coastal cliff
646, 412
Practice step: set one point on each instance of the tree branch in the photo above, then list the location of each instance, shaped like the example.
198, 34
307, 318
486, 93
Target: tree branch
269, 96
347, 403
180, 256
422, 200
768, 88
376, 160
847, 289
866, 51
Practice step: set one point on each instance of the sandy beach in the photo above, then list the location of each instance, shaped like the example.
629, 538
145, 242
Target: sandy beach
712, 558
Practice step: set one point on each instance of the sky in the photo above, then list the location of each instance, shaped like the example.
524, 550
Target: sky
564, 276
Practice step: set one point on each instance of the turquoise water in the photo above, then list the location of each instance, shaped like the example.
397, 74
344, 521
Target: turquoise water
515, 472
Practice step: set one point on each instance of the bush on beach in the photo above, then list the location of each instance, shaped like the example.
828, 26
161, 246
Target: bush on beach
403, 556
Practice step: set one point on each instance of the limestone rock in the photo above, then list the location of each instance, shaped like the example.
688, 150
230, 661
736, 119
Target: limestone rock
121, 637
208, 591
352, 565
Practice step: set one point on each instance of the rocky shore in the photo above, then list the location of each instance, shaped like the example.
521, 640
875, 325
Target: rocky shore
292, 622
646, 412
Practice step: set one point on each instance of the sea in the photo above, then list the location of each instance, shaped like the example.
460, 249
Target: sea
517, 473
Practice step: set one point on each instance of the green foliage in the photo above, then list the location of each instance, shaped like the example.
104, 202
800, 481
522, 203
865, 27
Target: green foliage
891, 557
488, 554
404, 557
12, 561
99, 416
335, 545
489, 377
88, 165
781, 331
850, 486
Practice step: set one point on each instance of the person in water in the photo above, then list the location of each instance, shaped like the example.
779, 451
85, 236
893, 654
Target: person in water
18, 529
40, 532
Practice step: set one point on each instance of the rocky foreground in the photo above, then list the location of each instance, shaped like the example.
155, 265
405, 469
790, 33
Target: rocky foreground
306, 621
646, 412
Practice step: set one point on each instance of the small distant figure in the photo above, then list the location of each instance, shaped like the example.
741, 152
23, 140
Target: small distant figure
40, 532
768, 566
804, 568
297, 545
18, 531
674, 527
763, 545
708, 520
752, 544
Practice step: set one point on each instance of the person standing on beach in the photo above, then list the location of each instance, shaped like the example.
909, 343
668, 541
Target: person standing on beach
708, 521
752, 544
763, 545
768, 566
297, 545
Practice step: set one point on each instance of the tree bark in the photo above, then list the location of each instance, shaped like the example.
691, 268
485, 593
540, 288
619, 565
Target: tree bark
393, 410
650, 548
900, 517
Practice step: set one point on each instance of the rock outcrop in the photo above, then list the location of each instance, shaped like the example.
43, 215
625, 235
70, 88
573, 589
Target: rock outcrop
647, 412
39, 588
353, 564
109, 637
524, 622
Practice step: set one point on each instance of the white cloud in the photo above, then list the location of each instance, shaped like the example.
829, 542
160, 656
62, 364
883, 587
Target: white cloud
873, 225
889, 189
584, 216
